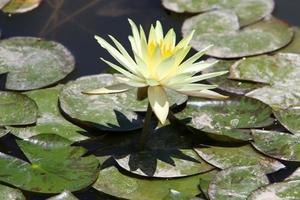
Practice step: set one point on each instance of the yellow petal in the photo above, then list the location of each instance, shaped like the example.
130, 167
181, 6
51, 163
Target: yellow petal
205, 76
159, 102
194, 58
159, 31
112, 89
206, 94
185, 41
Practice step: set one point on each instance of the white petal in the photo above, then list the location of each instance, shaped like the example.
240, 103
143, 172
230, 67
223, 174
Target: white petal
159, 102
185, 41
159, 31
194, 58
136, 36
205, 94
112, 89
197, 67
191, 87
205, 76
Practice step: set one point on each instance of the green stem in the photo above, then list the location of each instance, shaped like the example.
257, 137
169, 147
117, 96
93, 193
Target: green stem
146, 128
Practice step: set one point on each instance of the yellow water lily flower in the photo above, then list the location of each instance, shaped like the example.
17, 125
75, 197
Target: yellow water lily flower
158, 63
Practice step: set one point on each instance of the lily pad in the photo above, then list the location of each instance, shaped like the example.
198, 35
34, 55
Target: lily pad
169, 163
248, 11
290, 119
33, 63
205, 180
21, 6
54, 166
16, 109
3, 132
294, 46
295, 175
49, 120
66, 195
221, 29
175, 195
278, 145
226, 84
113, 182
288, 190
225, 157
226, 118
236, 183
113, 112
8, 193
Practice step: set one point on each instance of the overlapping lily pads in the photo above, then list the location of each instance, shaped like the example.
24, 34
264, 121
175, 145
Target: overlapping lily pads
226, 119
19, 6
114, 112
236, 183
225, 157
112, 181
229, 85
16, 109
294, 46
221, 29
248, 11
54, 166
278, 145
49, 118
290, 119
8, 193
33, 63
278, 191
66, 195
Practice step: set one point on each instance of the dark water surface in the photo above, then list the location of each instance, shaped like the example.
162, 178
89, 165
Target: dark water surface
75, 22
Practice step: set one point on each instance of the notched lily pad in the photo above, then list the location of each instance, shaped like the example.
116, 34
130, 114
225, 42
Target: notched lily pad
16, 109
229, 85
221, 29
49, 118
114, 112
8, 193
226, 119
113, 182
278, 145
248, 11
278, 191
33, 63
20, 6
225, 157
54, 166
236, 183
66, 195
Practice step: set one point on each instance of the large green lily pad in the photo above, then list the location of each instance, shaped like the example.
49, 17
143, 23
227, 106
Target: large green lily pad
278, 145
49, 118
236, 183
114, 112
225, 157
221, 29
21, 6
294, 46
226, 118
164, 163
248, 11
16, 109
290, 119
33, 63
113, 182
8, 193
54, 166
66, 195
288, 190
229, 85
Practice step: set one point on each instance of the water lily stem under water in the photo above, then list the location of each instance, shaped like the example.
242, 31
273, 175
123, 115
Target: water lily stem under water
147, 128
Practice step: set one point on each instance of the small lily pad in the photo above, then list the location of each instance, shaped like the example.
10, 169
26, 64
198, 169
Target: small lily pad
54, 166
248, 11
17, 109
33, 63
113, 182
226, 84
225, 157
8, 193
169, 163
278, 145
226, 118
66, 195
236, 183
49, 118
290, 119
113, 112
221, 29
294, 46
288, 190
21, 6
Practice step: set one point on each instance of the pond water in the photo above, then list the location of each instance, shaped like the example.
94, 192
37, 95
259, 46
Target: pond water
75, 22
